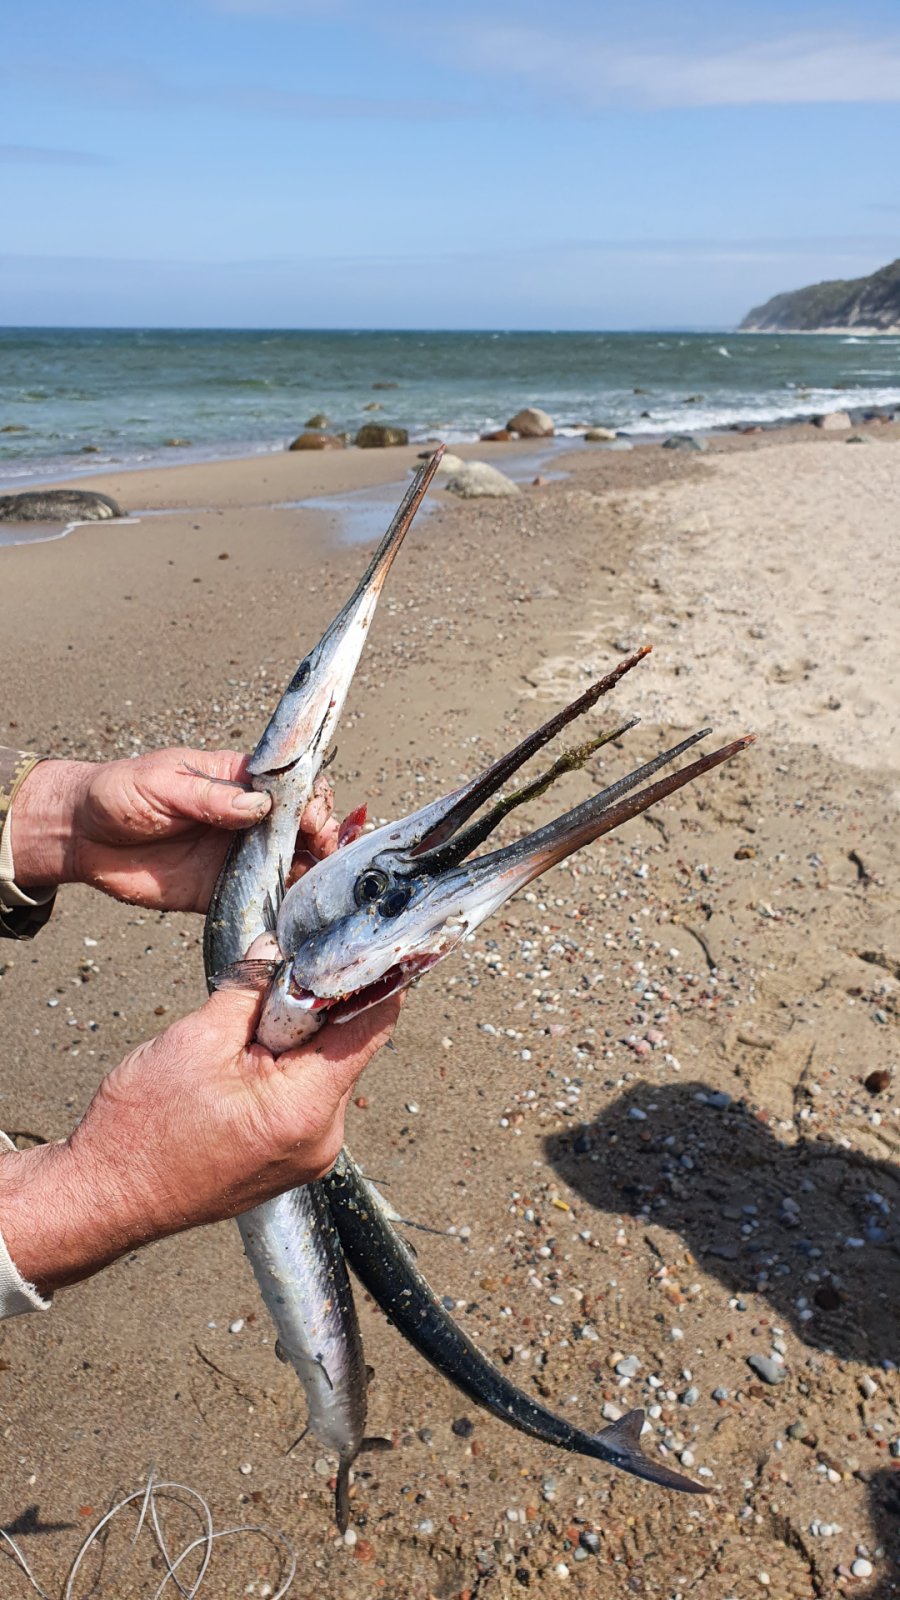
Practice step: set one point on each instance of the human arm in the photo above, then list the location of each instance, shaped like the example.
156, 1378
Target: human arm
197, 1125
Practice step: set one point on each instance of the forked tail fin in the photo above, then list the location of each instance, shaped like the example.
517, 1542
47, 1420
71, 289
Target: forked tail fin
621, 1443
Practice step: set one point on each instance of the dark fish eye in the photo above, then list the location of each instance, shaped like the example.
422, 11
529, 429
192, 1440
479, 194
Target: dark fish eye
396, 900
300, 676
370, 886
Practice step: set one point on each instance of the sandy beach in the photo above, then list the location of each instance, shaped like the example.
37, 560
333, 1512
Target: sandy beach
638, 1098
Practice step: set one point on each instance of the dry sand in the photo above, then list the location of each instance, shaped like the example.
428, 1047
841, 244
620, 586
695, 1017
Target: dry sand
641, 1089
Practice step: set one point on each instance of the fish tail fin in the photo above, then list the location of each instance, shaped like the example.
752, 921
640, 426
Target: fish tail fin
621, 1446
342, 1496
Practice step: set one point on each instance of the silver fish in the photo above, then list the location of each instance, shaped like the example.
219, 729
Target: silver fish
291, 1241
367, 921
385, 1265
384, 910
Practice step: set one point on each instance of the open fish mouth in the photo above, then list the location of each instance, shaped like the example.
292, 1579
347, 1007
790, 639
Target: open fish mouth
344, 1007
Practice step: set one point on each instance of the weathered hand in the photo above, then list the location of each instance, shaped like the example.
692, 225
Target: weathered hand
199, 1124
147, 830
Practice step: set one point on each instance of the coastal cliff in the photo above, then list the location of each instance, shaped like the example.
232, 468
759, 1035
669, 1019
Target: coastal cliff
866, 305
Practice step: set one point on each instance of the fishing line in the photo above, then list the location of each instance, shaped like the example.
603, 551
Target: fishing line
148, 1517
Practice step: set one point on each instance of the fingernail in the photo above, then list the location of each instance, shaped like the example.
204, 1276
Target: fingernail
249, 801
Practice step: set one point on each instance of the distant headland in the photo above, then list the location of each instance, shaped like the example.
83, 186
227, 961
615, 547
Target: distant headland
844, 305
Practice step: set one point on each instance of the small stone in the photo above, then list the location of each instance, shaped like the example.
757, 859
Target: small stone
426, 1525
245, 1468
463, 1428
589, 1541
628, 1367
350, 1538
861, 1568
322, 1467
690, 1396
412, 1108
561, 1570
878, 1081
720, 1394
236, 1325
364, 1550
868, 1387
767, 1368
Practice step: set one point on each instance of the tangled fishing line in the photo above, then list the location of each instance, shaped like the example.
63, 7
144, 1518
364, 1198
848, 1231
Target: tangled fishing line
201, 1547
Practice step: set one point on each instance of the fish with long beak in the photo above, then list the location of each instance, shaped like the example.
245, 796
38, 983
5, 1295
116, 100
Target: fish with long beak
366, 922
378, 914
291, 1242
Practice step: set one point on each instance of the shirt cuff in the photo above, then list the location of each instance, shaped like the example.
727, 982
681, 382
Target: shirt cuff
21, 914
16, 1294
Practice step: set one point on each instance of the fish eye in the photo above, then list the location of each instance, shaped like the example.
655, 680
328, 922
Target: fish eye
396, 900
300, 677
370, 886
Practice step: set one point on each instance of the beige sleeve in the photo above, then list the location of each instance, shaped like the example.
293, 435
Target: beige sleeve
21, 915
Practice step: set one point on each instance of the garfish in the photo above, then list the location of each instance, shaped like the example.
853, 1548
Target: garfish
385, 1265
291, 1241
381, 912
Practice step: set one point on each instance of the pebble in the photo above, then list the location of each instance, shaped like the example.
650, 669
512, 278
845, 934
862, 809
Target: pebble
862, 1568
426, 1525
690, 1396
323, 1467
236, 1325
463, 1427
350, 1537
245, 1468
561, 1570
589, 1541
628, 1367
720, 1394
412, 1108
868, 1387
767, 1368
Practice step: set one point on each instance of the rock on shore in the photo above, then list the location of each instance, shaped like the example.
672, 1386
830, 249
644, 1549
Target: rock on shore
378, 435
310, 440
530, 423
58, 505
475, 480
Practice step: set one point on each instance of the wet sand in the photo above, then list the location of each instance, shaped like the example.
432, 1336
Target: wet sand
641, 1089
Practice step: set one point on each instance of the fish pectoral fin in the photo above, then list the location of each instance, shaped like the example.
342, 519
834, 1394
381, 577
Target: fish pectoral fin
253, 974
622, 1448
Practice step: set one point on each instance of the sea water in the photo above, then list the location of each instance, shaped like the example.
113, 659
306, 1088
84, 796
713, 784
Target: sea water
80, 400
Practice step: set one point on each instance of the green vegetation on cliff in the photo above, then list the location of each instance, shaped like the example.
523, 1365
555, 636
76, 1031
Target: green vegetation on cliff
872, 302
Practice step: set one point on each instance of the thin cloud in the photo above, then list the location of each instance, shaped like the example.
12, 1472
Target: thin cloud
36, 155
797, 69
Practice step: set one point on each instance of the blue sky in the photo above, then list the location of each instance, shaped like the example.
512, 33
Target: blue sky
259, 163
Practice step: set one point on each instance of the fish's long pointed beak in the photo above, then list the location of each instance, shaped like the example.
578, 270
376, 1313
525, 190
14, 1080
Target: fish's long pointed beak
490, 880
310, 708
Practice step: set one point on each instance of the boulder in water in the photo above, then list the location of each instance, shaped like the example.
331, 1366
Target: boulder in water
475, 480
385, 385
378, 435
318, 420
374, 405
499, 436
530, 423
833, 420
317, 441
684, 441
600, 435
58, 505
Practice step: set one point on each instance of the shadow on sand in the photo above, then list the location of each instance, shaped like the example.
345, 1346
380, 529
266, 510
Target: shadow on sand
811, 1225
